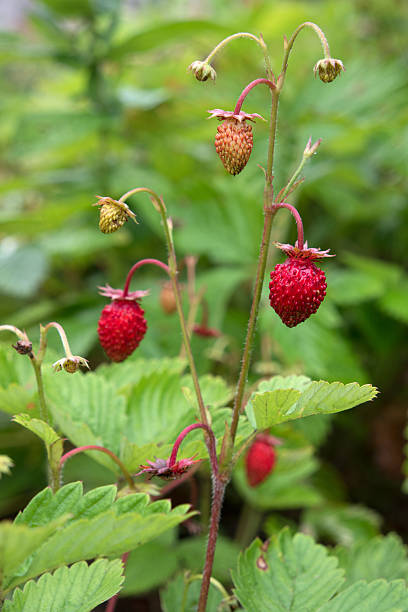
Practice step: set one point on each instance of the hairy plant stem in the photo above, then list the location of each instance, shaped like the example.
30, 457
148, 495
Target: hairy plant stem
81, 449
167, 226
212, 449
289, 43
298, 220
260, 273
220, 484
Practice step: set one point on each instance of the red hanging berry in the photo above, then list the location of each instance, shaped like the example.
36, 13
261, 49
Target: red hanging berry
122, 325
260, 459
298, 286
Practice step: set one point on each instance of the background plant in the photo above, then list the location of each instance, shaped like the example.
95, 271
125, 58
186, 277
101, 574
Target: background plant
356, 184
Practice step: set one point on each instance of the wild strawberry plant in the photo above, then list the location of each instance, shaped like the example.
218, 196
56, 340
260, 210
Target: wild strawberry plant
148, 418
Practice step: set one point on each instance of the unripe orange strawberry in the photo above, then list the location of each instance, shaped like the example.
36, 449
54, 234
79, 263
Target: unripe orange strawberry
234, 141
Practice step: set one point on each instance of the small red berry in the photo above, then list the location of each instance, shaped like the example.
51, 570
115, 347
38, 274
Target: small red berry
260, 459
298, 286
121, 327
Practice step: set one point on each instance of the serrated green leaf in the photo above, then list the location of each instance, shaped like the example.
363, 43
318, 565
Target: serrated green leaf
134, 368
18, 542
76, 589
381, 557
380, 596
38, 427
290, 573
92, 529
274, 407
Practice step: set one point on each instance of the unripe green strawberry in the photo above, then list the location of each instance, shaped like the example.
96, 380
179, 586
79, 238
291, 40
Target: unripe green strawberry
234, 141
113, 214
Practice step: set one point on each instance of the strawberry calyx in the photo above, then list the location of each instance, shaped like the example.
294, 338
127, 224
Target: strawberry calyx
119, 294
303, 253
240, 117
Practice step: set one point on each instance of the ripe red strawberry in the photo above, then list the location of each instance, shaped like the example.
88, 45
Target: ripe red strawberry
260, 459
122, 325
234, 141
298, 286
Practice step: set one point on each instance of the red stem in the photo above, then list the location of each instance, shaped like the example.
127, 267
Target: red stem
248, 88
112, 455
298, 219
112, 602
139, 264
212, 449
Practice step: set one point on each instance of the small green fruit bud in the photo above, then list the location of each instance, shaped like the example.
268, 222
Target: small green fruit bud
328, 69
202, 71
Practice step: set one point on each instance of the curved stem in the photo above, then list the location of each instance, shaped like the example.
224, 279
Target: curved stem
21, 335
212, 446
167, 226
102, 449
298, 220
289, 44
248, 88
139, 264
62, 335
224, 42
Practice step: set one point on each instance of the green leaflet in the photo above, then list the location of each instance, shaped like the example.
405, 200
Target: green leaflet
76, 589
96, 525
318, 397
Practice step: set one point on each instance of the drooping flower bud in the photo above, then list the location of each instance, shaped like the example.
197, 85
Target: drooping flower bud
113, 214
70, 364
202, 71
23, 347
328, 69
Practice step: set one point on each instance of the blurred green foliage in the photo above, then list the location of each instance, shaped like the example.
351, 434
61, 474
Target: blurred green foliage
96, 99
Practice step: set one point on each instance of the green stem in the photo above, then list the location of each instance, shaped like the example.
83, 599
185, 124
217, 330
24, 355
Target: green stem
161, 208
260, 273
224, 42
62, 335
40, 387
289, 44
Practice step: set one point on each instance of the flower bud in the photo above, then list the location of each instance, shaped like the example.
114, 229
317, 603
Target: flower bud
70, 364
328, 69
23, 347
202, 71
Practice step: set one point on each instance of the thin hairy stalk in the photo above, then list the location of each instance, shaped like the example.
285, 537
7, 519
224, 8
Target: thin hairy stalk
260, 273
161, 208
308, 152
218, 497
248, 88
62, 335
298, 219
139, 264
289, 44
224, 42
102, 449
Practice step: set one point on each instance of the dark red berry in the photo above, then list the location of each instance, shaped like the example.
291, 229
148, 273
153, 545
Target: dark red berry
121, 327
296, 290
260, 460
